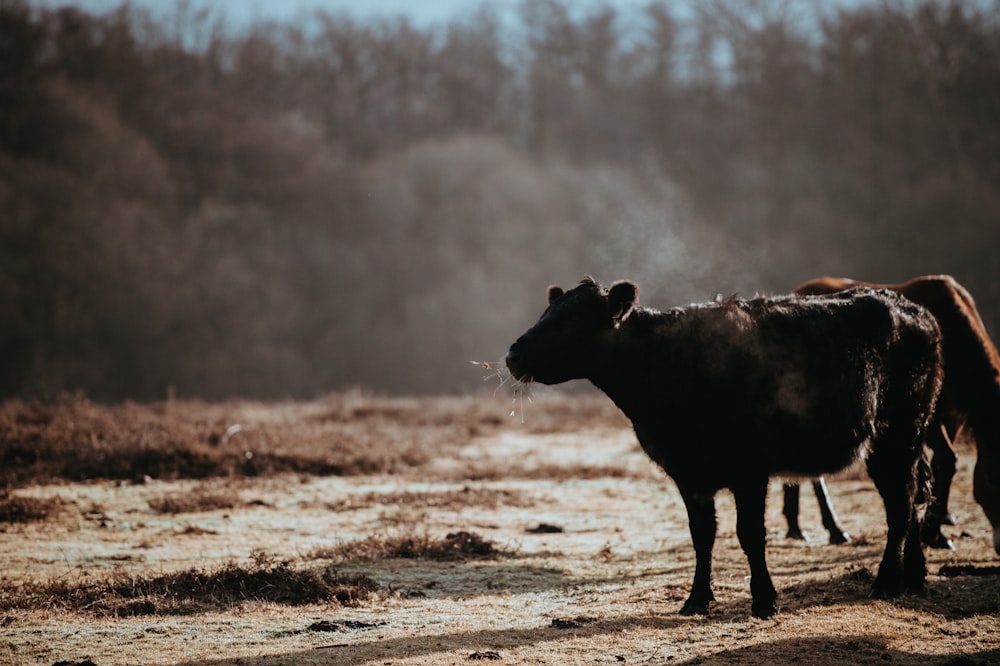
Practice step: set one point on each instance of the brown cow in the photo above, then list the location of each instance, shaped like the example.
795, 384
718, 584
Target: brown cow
970, 394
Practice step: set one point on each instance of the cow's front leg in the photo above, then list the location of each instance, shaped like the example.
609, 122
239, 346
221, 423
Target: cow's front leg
750, 529
701, 521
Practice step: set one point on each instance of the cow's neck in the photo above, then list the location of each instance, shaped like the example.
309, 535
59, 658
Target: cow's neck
628, 370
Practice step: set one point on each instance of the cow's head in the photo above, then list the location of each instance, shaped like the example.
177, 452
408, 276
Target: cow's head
568, 337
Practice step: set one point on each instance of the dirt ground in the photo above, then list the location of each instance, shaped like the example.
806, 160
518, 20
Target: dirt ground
592, 560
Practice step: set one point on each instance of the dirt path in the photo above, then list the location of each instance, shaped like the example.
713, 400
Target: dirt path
604, 589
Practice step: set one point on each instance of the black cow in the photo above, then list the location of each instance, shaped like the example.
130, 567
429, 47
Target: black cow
726, 394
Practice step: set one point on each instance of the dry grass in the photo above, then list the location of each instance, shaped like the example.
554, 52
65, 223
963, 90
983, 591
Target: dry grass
489, 471
192, 591
422, 499
476, 538
452, 547
194, 502
342, 434
18, 509
122, 594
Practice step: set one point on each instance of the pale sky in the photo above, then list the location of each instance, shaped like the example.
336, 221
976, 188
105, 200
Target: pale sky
239, 14
242, 12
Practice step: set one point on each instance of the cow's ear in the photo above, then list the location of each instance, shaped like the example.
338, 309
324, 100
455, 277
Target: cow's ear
555, 291
621, 299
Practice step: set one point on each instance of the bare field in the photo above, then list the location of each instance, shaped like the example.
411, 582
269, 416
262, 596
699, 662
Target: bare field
361, 530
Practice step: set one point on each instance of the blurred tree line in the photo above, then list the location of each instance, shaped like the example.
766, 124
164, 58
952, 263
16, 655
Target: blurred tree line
295, 208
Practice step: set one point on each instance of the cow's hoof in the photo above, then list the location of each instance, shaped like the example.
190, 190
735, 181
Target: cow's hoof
935, 539
837, 538
764, 610
796, 533
694, 608
881, 590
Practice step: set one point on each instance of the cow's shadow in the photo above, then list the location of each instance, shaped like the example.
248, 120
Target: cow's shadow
837, 650
950, 597
500, 643
366, 648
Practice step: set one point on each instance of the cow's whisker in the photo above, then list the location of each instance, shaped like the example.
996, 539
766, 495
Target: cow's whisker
519, 388
520, 391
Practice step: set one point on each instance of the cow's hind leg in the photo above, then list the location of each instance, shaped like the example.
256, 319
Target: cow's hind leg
790, 509
701, 521
750, 497
837, 533
942, 471
903, 568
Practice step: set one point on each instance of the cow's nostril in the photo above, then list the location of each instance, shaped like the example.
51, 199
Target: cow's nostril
515, 363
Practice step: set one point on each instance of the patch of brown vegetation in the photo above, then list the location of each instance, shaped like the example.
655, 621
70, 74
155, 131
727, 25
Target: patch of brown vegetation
74, 439
18, 509
453, 547
194, 502
124, 595
552, 471
342, 625
446, 499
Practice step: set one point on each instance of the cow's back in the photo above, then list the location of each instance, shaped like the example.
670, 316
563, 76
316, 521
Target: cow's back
845, 354
972, 364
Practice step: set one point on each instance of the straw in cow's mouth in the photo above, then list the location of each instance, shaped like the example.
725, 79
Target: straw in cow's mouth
520, 388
